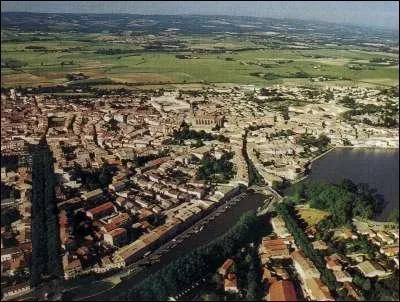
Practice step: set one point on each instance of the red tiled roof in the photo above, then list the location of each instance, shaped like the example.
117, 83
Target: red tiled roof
120, 219
101, 208
282, 291
227, 264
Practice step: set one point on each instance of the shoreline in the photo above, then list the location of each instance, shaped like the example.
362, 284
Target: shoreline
373, 151
309, 164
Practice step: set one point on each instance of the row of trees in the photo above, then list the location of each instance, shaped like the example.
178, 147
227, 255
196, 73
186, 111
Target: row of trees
254, 283
46, 245
117, 51
183, 272
286, 210
36, 47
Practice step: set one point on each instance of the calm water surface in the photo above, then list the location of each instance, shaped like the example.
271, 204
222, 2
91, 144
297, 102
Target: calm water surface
377, 167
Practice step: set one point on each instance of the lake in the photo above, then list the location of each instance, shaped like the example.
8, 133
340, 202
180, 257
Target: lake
377, 167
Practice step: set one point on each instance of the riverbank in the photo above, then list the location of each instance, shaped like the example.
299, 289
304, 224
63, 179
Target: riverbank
214, 228
230, 198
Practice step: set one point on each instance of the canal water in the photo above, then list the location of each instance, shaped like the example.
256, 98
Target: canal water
215, 228
377, 167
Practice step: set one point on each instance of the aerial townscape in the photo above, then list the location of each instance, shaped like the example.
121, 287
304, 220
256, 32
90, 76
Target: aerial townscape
197, 158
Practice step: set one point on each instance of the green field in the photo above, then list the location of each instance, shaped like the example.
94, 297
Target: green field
312, 216
78, 52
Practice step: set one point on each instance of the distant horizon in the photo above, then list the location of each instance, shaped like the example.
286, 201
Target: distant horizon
220, 15
378, 14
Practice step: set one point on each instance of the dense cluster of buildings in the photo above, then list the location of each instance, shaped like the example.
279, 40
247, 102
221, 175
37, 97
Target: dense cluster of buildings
304, 280
275, 149
151, 195
386, 239
123, 188
16, 245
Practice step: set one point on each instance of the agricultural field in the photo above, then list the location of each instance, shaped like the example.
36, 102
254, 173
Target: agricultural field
41, 68
173, 57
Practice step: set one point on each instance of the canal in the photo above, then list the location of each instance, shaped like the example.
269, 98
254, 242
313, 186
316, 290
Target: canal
215, 228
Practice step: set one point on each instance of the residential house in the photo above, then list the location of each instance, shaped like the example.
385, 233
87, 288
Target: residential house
316, 290
226, 267
352, 290
72, 266
274, 248
319, 245
278, 224
333, 263
282, 291
342, 276
230, 283
116, 237
371, 269
101, 211
304, 266
390, 251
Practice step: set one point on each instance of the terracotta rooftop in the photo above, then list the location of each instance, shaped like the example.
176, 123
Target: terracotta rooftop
227, 264
282, 291
101, 208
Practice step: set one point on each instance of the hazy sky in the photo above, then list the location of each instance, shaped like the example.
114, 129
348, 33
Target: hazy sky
373, 13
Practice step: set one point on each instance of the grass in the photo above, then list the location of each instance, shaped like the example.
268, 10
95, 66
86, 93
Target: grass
312, 216
163, 68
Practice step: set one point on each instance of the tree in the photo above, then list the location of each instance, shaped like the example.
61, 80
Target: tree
112, 125
181, 273
346, 142
366, 285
